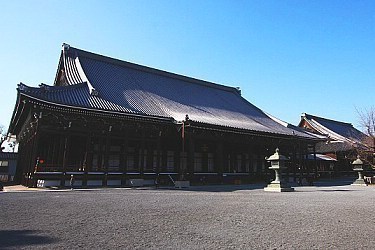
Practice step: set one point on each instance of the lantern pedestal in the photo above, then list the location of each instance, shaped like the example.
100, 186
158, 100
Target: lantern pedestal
278, 185
278, 188
360, 181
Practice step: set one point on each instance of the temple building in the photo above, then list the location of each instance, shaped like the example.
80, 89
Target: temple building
108, 122
343, 141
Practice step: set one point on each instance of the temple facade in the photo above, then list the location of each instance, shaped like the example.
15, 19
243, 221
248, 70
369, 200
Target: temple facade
108, 122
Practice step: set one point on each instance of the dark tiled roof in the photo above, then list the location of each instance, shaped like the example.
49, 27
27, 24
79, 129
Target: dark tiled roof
341, 128
334, 129
334, 146
341, 136
94, 81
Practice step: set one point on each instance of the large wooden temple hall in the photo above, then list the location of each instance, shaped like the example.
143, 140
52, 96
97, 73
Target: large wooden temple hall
108, 121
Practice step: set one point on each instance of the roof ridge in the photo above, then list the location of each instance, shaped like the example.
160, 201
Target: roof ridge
330, 120
50, 88
148, 69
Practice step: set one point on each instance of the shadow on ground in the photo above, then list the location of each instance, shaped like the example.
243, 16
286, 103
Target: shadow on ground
334, 182
337, 190
218, 188
21, 238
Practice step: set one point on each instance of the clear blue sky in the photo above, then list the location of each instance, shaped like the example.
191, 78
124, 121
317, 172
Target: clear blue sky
288, 57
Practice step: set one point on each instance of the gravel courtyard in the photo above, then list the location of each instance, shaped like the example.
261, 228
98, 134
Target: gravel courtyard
214, 217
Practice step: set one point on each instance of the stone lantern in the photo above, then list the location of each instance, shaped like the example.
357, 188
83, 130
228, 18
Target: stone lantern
358, 167
278, 164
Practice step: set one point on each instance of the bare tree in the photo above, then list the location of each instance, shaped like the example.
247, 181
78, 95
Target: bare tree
367, 122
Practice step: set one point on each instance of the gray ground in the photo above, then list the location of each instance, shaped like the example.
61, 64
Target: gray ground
225, 217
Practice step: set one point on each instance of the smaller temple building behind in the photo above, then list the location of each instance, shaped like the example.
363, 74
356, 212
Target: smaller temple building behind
343, 143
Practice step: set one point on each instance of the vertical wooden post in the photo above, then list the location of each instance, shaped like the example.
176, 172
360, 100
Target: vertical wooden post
34, 152
294, 163
219, 161
19, 176
191, 152
27, 161
142, 153
124, 158
65, 158
177, 160
158, 153
315, 163
105, 161
88, 159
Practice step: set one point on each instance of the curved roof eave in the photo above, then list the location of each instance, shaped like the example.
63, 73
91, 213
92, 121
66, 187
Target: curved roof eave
110, 112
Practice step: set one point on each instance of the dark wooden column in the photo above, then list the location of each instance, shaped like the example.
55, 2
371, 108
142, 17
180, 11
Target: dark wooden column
301, 163
27, 161
177, 160
191, 151
124, 158
142, 155
249, 152
158, 153
18, 178
294, 163
306, 163
219, 162
30, 161
34, 155
65, 158
205, 151
88, 159
105, 161
315, 163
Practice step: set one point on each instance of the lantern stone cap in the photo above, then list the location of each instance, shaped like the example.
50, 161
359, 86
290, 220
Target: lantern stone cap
277, 157
358, 161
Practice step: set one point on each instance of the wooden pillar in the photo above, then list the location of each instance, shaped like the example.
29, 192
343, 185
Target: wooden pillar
191, 151
205, 160
306, 163
177, 160
249, 153
87, 163
219, 161
19, 176
124, 158
315, 163
142, 155
65, 158
294, 163
105, 161
27, 161
158, 153
34, 155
